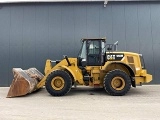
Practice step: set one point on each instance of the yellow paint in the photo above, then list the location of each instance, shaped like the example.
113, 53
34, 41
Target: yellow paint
57, 83
118, 83
97, 73
63, 65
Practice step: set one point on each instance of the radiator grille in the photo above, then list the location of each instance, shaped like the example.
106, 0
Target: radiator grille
131, 63
130, 59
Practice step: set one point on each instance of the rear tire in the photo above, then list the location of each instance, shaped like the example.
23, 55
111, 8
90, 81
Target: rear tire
58, 83
117, 83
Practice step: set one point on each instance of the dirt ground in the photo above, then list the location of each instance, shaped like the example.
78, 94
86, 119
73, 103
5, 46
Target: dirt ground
83, 103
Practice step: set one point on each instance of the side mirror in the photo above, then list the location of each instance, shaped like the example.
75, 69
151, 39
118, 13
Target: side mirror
109, 48
84, 62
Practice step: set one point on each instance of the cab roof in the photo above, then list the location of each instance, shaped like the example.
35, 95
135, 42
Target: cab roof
85, 39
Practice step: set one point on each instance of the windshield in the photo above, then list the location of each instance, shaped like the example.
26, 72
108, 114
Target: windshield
82, 53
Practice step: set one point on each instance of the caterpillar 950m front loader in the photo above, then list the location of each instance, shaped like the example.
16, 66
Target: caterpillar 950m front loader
115, 71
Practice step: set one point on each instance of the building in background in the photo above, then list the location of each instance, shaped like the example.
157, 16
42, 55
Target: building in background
31, 32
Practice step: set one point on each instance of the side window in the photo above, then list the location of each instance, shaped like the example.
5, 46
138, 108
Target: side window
93, 47
83, 51
103, 48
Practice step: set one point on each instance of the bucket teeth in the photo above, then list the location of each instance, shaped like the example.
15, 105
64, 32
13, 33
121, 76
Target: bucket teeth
24, 81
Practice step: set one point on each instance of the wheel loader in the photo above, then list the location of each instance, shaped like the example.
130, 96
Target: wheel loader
97, 65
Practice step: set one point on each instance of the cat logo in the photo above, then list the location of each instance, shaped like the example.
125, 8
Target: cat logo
114, 56
111, 57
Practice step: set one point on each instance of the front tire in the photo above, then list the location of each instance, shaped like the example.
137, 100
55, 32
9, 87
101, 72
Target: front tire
117, 83
58, 83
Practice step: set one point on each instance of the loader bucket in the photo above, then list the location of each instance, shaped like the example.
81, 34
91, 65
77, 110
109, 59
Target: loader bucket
24, 81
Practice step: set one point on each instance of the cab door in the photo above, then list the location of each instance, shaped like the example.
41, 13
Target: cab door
94, 52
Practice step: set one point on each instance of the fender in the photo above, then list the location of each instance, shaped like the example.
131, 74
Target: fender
131, 71
74, 71
128, 67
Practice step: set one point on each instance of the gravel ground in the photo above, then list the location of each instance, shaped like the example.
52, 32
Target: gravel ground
83, 103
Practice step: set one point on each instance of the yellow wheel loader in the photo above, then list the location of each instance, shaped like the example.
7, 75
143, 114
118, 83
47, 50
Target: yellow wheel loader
113, 70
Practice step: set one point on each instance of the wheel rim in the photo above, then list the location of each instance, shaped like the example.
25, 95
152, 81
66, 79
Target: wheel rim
57, 83
118, 83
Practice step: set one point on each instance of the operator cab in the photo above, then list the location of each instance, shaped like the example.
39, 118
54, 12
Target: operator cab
92, 52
